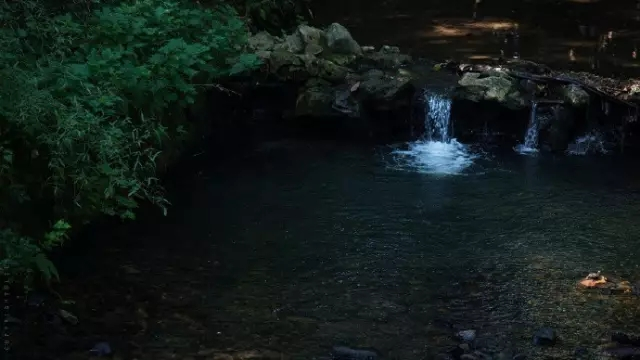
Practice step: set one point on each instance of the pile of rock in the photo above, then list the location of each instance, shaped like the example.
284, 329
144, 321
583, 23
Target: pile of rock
336, 77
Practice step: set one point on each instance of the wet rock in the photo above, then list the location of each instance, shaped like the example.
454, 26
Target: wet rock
330, 71
329, 77
262, 41
380, 86
314, 39
315, 100
495, 87
340, 41
467, 335
292, 43
345, 353
556, 131
101, 349
545, 336
385, 60
387, 49
575, 95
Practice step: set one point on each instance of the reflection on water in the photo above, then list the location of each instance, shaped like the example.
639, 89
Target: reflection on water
582, 35
306, 247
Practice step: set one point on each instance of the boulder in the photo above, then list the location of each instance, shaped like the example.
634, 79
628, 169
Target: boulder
315, 100
386, 58
314, 39
575, 95
496, 87
339, 40
287, 66
262, 41
379, 86
325, 67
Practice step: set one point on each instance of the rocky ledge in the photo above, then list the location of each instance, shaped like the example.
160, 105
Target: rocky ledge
323, 80
328, 78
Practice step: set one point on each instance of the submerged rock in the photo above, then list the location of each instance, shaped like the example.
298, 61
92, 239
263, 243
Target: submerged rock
545, 336
467, 335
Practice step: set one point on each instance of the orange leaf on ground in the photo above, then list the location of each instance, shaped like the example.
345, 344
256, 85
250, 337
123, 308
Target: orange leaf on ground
593, 283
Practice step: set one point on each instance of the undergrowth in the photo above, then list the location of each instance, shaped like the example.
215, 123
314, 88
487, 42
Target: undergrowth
84, 102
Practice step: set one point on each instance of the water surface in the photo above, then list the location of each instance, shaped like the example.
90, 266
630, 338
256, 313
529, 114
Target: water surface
303, 246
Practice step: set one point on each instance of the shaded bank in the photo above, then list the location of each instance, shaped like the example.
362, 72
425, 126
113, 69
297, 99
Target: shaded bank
564, 34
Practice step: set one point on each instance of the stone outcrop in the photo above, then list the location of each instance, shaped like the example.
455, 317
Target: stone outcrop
334, 77
495, 86
330, 77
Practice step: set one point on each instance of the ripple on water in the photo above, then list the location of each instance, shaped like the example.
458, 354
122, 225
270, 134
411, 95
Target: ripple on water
435, 157
339, 250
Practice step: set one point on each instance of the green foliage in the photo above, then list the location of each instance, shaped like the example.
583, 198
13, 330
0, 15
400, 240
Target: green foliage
84, 109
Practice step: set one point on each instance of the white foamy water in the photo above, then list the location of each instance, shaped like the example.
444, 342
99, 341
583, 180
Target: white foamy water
530, 145
436, 157
438, 152
591, 143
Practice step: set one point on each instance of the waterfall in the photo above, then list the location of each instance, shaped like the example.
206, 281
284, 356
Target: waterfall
530, 144
437, 152
438, 118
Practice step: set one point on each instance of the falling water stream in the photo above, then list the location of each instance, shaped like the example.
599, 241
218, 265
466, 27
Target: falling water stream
438, 152
530, 145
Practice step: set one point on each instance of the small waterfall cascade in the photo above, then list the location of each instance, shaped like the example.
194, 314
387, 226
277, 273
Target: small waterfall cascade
438, 118
437, 152
530, 144
590, 143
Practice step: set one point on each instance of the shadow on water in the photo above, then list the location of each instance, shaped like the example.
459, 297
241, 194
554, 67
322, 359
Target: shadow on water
576, 34
304, 246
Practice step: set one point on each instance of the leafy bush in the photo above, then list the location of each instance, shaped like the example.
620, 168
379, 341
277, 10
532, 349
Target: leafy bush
85, 106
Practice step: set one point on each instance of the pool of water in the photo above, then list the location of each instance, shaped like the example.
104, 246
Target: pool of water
302, 246
597, 35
